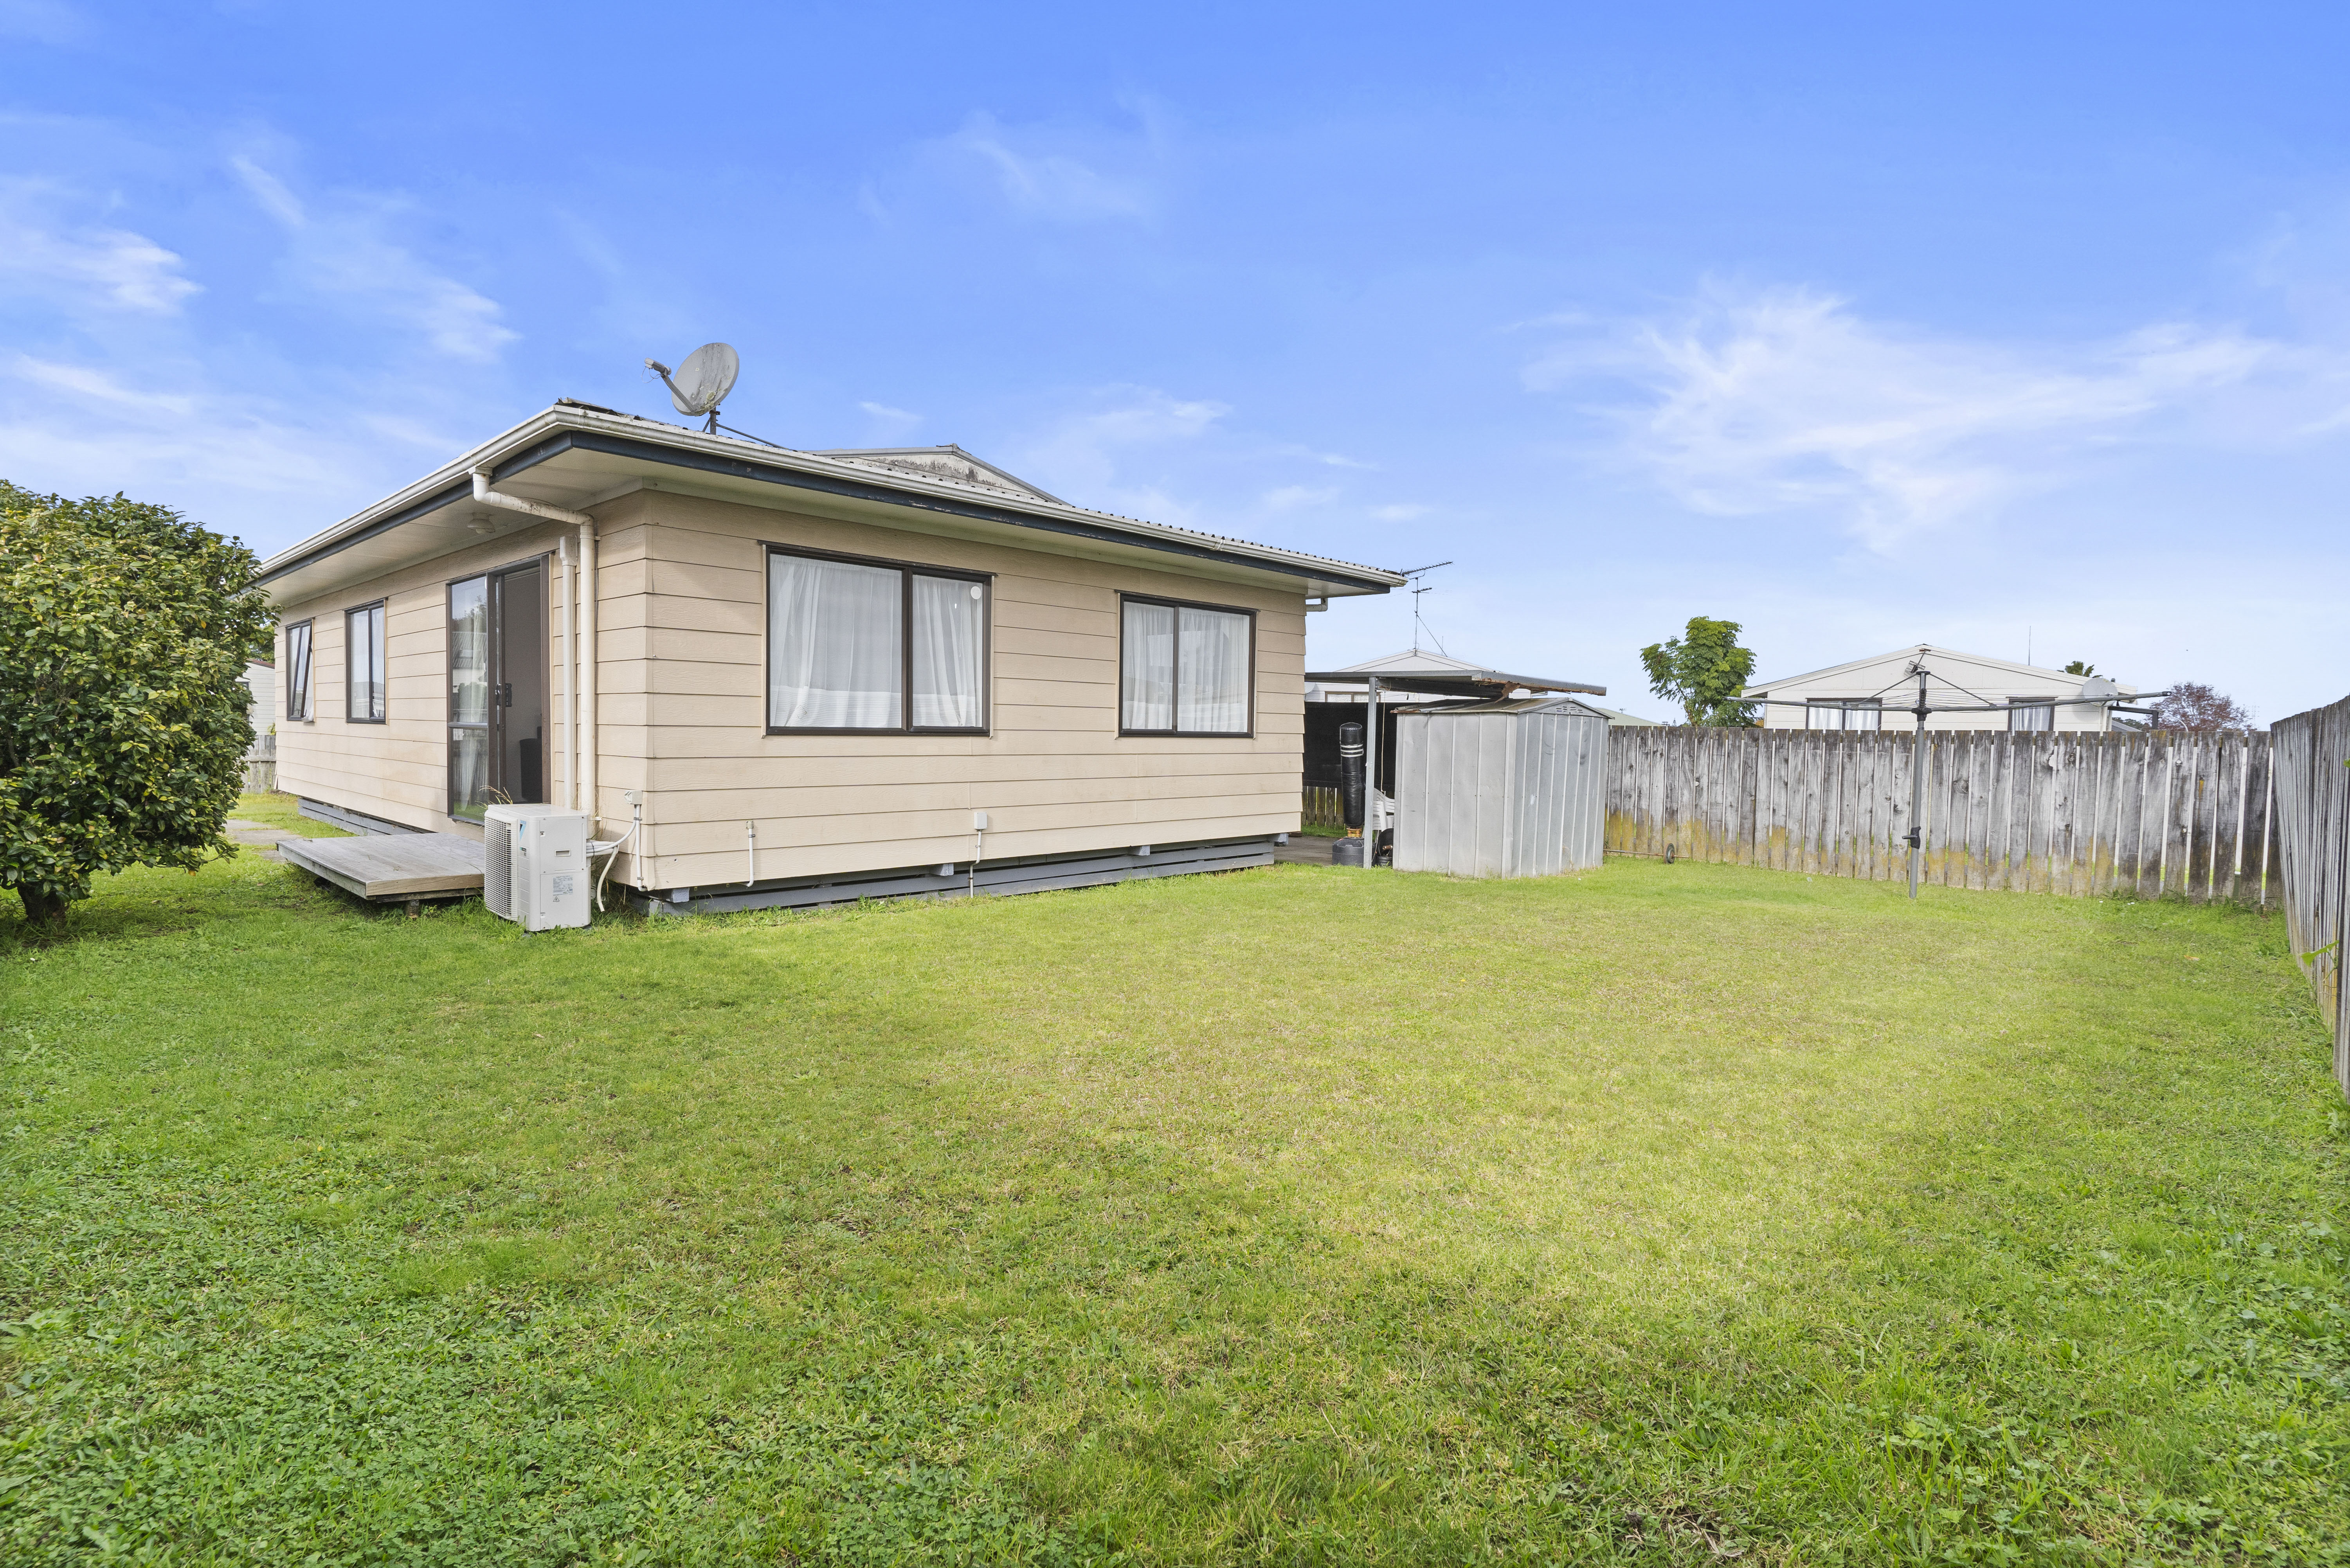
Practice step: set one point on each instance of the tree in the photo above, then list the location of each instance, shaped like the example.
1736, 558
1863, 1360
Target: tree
2194, 706
123, 723
2081, 669
1704, 671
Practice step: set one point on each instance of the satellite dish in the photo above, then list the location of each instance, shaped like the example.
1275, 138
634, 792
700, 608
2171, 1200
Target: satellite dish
702, 383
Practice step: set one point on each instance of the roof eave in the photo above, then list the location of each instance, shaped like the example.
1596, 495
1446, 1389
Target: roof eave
554, 430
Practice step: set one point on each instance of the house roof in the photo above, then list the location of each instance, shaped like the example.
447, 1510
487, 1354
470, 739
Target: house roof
1945, 666
1416, 670
574, 455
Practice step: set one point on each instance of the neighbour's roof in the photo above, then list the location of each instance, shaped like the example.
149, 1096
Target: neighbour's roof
1509, 705
1415, 670
1953, 667
574, 455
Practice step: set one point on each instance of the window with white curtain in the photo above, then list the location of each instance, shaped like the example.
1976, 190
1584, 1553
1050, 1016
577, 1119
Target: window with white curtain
1184, 669
2030, 714
866, 645
363, 674
1843, 713
297, 671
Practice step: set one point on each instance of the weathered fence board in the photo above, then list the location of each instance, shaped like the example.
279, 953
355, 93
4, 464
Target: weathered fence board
2080, 814
2311, 821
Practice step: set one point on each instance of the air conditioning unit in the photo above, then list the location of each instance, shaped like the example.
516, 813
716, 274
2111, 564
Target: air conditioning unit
534, 866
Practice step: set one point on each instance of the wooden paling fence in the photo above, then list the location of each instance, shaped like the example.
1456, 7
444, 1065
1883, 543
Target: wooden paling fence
2147, 811
2313, 793
1324, 808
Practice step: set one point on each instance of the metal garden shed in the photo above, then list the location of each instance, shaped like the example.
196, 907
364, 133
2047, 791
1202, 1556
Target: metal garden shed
1515, 787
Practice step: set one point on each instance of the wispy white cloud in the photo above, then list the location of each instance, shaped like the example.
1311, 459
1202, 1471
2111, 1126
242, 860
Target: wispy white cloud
1094, 456
344, 253
1062, 173
1785, 399
84, 383
110, 268
82, 428
1294, 497
1402, 511
892, 423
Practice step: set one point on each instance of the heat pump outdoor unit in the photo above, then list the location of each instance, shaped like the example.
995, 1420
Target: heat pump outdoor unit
534, 866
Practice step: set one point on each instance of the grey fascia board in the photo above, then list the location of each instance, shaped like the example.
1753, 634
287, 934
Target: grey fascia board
548, 435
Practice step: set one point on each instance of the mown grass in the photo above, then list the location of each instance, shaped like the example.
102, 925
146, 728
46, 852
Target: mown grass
1293, 1216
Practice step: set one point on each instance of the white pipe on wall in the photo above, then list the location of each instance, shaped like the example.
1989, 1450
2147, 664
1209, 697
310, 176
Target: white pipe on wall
583, 724
587, 652
570, 791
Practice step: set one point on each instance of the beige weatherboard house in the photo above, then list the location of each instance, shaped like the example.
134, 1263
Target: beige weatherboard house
792, 677
1873, 694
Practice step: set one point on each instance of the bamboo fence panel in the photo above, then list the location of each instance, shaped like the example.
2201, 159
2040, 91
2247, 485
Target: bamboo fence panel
2146, 812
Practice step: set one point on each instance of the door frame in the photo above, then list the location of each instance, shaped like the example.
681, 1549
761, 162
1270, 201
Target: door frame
494, 651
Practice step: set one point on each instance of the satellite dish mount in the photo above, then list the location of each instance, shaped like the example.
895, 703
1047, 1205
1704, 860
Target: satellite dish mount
702, 383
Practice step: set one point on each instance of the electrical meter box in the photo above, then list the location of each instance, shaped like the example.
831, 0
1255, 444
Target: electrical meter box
534, 866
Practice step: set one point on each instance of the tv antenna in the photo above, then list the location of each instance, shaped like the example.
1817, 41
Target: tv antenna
1418, 624
701, 382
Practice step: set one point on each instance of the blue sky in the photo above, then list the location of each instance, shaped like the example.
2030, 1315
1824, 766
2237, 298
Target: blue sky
1993, 325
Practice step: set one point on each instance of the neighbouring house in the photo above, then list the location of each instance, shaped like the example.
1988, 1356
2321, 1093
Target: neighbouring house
261, 754
260, 678
1872, 694
793, 671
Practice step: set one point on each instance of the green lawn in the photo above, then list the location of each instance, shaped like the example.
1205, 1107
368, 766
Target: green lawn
1294, 1216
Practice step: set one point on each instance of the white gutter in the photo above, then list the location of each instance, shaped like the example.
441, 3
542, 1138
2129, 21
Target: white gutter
579, 760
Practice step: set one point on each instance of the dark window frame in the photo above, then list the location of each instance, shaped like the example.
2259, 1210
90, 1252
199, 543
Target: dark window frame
350, 692
907, 571
1844, 707
1175, 670
306, 667
2018, 706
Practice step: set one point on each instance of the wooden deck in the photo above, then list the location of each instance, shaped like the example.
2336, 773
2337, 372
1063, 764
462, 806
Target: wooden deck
398, 868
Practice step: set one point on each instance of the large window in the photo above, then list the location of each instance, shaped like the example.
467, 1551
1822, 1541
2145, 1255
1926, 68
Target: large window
1184, 669
363, 663
1844, 713
2030, 714
297, 671
856, 644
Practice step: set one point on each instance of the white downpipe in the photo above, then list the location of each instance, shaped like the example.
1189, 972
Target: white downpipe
588, 650
582, 742
570, 791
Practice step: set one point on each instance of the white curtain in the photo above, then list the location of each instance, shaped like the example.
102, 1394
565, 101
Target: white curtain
948, 621
1213, 659
363, 662
1147, 669
297, 671
834, 658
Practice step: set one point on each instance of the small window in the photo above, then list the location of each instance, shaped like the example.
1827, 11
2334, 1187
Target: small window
363, 663
1184, 669
856, 644
1844, 713
2031, 715
298, 672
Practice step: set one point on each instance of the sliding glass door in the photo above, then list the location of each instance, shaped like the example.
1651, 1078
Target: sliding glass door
500, 734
